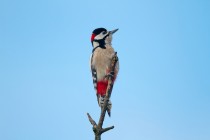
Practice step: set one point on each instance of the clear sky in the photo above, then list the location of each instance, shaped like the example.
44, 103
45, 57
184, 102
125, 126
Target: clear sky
163, 88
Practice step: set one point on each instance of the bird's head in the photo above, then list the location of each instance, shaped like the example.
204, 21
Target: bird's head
101, 37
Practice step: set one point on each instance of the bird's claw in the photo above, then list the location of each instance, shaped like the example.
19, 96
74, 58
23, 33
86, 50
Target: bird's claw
111, 74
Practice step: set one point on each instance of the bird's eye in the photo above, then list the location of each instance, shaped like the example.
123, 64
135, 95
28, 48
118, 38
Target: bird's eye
104, 32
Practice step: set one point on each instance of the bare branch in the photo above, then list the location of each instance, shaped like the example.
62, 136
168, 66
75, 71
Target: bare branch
107, 129
91, 120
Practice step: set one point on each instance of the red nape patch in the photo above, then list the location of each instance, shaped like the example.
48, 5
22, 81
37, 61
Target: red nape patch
92, 37
101, 87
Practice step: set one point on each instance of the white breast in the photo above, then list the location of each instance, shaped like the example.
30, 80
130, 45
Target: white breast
101, 61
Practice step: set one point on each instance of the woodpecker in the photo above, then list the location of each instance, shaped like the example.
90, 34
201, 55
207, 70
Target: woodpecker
100, 61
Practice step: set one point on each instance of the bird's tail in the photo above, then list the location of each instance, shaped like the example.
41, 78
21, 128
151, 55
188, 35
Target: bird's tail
109, 112
101, 104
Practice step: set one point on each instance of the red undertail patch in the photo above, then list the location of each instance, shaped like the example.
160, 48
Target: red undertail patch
101, 87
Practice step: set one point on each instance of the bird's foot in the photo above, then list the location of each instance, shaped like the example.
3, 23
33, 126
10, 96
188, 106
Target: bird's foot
111, 74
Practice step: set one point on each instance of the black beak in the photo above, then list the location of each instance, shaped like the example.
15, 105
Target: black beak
113, 31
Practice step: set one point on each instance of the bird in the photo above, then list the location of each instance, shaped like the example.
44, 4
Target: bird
100, 62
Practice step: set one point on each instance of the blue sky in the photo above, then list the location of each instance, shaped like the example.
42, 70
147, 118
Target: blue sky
163, 88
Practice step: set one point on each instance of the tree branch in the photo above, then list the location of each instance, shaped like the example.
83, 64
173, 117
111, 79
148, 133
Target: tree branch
97, 128
92, 121
106, 129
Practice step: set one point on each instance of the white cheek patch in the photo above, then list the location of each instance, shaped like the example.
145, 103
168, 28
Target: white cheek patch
95, 43
100, 36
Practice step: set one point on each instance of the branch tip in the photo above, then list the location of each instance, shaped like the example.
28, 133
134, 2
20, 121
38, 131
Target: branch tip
107, 129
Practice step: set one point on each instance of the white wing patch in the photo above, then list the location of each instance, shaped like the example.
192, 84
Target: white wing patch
94, 73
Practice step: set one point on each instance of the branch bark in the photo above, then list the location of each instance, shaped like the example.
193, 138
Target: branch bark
97, 128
